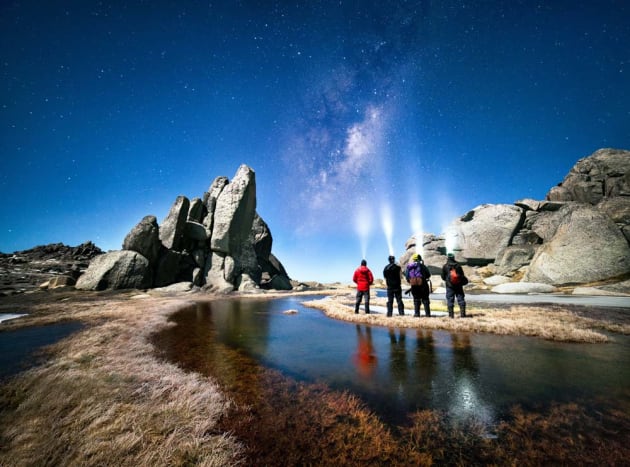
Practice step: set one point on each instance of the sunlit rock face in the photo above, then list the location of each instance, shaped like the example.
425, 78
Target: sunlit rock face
217, 241
579, 234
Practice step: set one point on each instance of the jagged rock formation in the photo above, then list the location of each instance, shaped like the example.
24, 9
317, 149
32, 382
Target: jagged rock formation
218, 242
579, 234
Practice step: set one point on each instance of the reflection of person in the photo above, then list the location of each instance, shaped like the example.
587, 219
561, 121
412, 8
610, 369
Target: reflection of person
391, 273
398, 357
463, 357
452, 272
424, 366
365, 359
363, 278
420, 292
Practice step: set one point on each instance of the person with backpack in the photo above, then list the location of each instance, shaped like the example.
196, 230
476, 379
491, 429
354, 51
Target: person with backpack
392, 276
455, 280
363, 278
417, 274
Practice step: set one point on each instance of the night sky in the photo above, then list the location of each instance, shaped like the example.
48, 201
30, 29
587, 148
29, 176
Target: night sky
350, 112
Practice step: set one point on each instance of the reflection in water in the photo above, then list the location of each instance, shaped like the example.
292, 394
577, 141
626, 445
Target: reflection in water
365, 358
395, 371
424, 364
398, 362
466, 402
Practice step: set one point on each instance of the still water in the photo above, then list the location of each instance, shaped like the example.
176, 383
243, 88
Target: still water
396, 371
19, 348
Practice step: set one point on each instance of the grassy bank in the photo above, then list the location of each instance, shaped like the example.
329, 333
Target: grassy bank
103, 398
553, 322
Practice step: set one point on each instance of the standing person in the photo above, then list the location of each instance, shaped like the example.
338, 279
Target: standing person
363, 278
417, 274
455, 280
391, 273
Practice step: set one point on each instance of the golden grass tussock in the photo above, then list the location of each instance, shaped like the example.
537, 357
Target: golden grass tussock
551, 323
103, 399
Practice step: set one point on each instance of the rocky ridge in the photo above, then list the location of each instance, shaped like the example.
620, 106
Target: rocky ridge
53, 265
580, 234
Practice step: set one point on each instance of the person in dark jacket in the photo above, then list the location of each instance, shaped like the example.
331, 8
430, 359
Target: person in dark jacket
421, 292
363, 278
453, 272
392, 276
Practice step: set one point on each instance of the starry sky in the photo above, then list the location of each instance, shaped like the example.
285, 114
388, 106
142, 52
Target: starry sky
365, 121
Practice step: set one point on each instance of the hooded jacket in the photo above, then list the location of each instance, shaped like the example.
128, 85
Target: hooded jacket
391, 273
363, 278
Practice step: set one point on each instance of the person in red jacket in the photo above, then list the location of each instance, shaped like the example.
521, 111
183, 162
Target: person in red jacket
363, 278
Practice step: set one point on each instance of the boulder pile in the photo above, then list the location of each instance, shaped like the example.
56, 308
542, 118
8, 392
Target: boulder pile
579, 234
218, 242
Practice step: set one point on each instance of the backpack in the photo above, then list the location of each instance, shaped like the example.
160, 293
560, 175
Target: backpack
453, 276
414, 274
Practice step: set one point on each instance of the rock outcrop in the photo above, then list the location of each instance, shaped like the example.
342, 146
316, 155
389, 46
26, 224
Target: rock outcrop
145, 239
122, 269
483, 232
217, 241
586, 246
579, 234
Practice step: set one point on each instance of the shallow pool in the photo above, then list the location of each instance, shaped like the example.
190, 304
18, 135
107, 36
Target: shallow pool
19, 347
397, 371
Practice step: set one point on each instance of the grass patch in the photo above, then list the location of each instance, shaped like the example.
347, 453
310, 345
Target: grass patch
556, 323
103, 399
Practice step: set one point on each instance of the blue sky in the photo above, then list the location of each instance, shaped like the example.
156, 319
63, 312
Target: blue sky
350, 112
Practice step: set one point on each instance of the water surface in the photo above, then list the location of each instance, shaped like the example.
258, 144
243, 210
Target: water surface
19, 347
397, 371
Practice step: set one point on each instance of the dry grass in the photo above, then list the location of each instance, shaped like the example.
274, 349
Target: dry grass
552, 322
103, 399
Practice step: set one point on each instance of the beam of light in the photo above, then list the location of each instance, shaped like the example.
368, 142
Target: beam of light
363, 227
450, 239
415, 219
388, 226
448, 217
